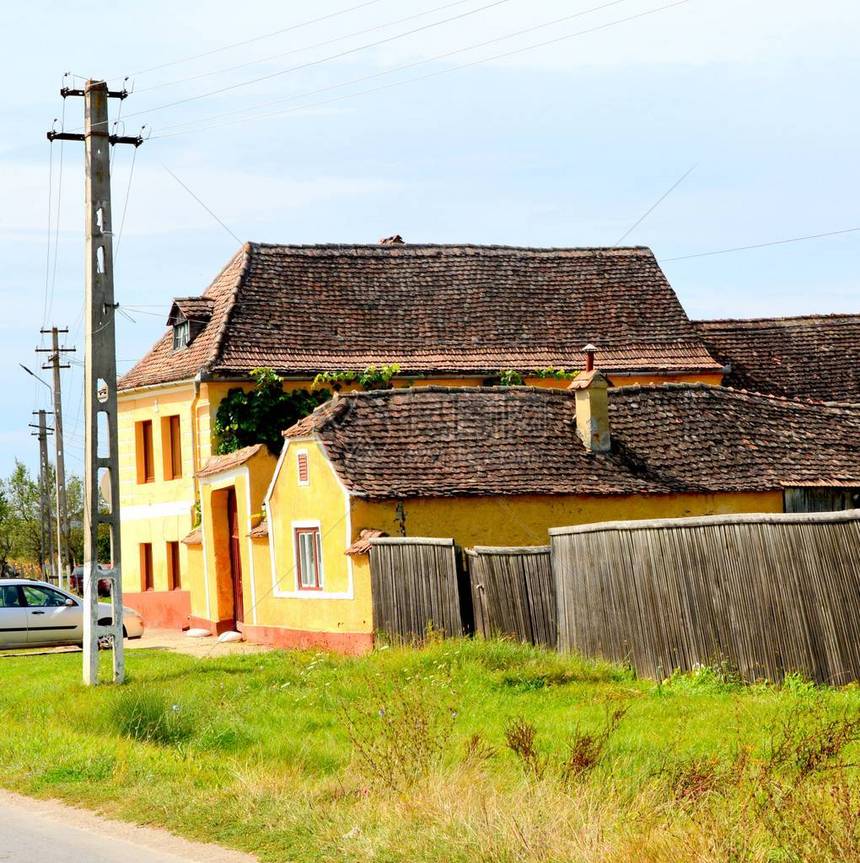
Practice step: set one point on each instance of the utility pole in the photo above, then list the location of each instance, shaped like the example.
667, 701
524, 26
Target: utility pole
100, 448
64, 552
46, 541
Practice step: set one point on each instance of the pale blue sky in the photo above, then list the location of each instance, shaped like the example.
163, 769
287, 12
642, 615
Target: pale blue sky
565, 145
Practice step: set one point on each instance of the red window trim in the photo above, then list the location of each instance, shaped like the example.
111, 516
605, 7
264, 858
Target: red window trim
315, 531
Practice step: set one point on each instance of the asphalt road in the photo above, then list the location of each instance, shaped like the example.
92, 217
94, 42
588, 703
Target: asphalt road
34, 831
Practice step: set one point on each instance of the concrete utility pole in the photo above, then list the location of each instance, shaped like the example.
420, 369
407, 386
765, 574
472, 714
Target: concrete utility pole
64, 552
100, 448
46, 542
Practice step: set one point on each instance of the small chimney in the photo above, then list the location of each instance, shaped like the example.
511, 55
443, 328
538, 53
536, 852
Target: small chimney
589, 350
592, 405
395, 240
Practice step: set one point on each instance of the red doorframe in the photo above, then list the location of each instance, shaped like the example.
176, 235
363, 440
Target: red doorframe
235, 558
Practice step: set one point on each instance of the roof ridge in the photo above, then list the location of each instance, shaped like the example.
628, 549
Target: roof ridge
473, 247
817, 404
705, 322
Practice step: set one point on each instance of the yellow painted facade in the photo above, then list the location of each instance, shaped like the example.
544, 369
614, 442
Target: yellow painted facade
343, 604
504, 520
525, 519
164, 510
248, 483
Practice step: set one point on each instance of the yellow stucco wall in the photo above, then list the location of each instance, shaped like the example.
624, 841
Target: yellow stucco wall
714, 379
164, 510
525, 519
344, 603
249, 481
161, 511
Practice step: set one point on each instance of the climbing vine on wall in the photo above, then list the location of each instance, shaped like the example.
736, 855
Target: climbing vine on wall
513, 378
372, 378
260, 415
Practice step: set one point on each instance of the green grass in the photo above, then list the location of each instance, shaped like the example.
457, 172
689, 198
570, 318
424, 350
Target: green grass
460, 751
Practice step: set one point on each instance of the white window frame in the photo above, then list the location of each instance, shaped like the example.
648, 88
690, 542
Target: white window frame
181, 334
307, 525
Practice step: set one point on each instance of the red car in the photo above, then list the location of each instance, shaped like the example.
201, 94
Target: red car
76, 581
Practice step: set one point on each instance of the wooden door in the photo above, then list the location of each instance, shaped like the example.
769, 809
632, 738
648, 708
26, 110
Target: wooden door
235, 557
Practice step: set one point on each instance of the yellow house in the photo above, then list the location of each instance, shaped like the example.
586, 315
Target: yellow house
500, 466
445, 315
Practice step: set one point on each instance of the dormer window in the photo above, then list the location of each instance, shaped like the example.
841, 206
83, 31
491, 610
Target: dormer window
189, 316
181, 334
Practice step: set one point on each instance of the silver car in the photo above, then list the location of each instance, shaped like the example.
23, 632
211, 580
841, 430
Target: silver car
36, 614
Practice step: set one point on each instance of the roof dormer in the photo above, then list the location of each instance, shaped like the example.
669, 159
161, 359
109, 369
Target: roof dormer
188, 317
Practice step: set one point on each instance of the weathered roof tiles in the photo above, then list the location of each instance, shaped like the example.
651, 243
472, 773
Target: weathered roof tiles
438, 441
814, 356
433, 309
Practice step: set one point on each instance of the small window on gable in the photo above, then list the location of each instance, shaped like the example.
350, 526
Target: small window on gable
181, 334
302, 468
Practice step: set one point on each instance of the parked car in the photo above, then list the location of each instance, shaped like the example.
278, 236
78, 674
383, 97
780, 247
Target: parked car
76, 581
36, 614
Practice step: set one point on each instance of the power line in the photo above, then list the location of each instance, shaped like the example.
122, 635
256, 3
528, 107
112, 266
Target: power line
654, 206
301, 49
125, 204
411, 65
201, 203
404, 66
321, 60
50, 213
259, 38
763, 245
50, 301
437, 72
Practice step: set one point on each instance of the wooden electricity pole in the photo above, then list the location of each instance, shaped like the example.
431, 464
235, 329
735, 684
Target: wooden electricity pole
64, 552
46, 552
100, 441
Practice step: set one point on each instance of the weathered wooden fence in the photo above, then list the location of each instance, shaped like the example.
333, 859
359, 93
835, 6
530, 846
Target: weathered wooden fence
770, 594
417, 585
513, 593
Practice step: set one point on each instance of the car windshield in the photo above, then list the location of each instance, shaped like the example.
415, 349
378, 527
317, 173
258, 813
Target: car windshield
43, 597
10, 597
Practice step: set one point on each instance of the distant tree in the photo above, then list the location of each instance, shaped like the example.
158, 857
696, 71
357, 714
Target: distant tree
6, 531
75, 508
23, 514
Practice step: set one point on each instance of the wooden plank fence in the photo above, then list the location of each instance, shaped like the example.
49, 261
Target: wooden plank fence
771, 594
416, 586
513, 593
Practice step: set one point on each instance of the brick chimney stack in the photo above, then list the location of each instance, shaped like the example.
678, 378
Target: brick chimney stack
592, 405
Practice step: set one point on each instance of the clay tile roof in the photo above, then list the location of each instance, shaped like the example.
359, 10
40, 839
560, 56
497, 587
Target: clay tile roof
197, 309
816, 356
433, 309
162, 364
195, 537
362, 544
220, 463
438, 441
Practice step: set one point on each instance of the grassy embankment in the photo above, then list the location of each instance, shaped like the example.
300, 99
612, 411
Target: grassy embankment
461, 751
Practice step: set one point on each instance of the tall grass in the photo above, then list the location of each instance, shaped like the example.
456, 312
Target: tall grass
458, 751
